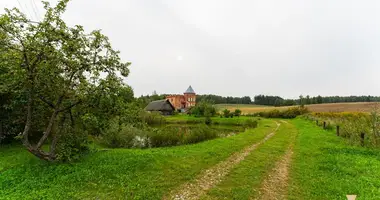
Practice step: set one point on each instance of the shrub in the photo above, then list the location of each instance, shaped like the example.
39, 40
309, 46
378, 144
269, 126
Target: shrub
250, 123
208, 120
168, 136
199, 134
287, 114
237, 112
122, 135
203, 109
152, 118
226, 113
72, 144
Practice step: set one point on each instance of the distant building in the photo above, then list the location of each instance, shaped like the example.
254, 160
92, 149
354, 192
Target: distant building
185, 101
163, 106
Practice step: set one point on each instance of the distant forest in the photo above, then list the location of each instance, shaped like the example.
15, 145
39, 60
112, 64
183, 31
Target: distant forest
278, 101
269, 100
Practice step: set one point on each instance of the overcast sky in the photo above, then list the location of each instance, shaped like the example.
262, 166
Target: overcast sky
238, 48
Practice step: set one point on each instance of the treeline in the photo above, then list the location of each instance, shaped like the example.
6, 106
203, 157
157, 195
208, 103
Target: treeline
278, 101
145, 100
273, 101
224, 100
267, 100
337, 99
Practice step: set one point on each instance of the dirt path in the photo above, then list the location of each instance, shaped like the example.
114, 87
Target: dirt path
275, 185
212, 176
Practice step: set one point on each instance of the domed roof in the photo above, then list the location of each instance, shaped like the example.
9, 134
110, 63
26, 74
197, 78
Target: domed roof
189, 90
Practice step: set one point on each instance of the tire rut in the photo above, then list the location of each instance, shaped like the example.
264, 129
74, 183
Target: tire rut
276, 183
212, 176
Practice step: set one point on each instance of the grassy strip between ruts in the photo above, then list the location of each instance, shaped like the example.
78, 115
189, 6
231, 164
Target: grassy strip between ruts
118, 173
245, 180
326, 167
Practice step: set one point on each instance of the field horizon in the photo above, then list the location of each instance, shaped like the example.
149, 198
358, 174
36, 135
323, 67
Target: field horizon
326, 107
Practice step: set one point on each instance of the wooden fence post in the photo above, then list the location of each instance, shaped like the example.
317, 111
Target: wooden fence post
362, 135
337, 130
324, 125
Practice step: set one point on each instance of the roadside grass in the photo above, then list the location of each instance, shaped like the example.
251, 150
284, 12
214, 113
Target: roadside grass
117, 173
245, 180
327, 167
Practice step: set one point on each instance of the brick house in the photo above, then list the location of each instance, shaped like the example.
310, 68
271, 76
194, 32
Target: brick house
185, 101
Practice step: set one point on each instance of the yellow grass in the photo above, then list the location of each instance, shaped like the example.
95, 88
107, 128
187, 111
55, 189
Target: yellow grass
328, 107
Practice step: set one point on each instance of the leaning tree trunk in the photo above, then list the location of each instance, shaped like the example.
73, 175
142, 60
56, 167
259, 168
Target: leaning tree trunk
1, 131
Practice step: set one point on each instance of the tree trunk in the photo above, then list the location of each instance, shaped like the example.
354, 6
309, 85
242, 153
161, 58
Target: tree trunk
48, 129
56, 137
1, 131
28, 124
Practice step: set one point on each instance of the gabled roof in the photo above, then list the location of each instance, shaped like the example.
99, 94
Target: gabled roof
160, 105
189, 90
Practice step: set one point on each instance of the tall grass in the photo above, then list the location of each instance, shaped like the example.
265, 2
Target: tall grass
353, 126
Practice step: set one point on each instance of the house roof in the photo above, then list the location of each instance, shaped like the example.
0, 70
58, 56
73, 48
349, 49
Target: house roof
160, 105
189, 90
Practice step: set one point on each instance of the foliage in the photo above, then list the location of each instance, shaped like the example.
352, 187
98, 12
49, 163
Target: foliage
72, 144
226, 113
58, 71
208, 120
353, 125
190, 120
199, 134
143, 101
224, 100
250, 123
116, 173
237, 112
168, 136
287, 114
203, 109
152, 118
123, 135
278, 101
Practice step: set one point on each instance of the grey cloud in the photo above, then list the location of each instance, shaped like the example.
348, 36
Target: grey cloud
241, 47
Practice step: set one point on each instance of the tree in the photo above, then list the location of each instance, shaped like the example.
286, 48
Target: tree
302, 101
203, 109
237, 112
59, 65
226, 113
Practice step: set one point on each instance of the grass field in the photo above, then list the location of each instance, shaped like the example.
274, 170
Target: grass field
245, 166
328, 107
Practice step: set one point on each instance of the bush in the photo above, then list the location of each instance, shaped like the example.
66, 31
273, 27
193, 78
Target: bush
287, 114
122, 135
250, 123
168, 136
72, 144
237, 112
199, 134
208, 120
152, 118
203, 109
226, 113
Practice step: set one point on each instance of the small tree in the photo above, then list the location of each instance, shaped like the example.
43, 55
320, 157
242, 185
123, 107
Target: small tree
60, 66
203, 109
237, 112
226, 113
